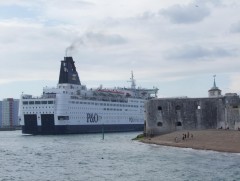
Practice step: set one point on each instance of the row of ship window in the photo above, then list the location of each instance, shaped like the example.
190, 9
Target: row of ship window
104, 104
38, 112
105, 114
52, 102
111, 109
112, 118
105, 109
38, 107
37, 102
136, 101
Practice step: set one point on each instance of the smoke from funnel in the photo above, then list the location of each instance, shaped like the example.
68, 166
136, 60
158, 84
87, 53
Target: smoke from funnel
73, 46
92, 39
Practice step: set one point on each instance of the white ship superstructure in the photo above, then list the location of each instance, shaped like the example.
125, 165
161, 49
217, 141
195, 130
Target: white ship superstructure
72, 108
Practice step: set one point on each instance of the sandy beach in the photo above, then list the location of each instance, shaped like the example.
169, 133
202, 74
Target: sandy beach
217, 140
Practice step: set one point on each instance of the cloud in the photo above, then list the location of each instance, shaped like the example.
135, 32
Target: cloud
196, 53
186, 14
29, 3
235, 28
111, 38
13, 11
91, 39
234, 85
103, 38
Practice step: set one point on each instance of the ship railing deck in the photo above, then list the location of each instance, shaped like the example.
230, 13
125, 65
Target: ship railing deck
53, 96
100, 98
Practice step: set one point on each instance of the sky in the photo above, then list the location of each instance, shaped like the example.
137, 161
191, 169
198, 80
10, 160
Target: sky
175, 45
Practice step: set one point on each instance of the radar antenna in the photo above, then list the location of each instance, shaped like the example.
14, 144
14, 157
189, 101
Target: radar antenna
132, 80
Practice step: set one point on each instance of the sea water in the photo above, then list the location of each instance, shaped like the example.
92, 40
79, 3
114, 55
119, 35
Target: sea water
117, 157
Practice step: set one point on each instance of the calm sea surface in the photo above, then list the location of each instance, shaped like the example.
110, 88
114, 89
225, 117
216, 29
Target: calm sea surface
117, 157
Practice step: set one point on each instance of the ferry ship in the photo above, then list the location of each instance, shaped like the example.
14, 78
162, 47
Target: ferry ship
71, 108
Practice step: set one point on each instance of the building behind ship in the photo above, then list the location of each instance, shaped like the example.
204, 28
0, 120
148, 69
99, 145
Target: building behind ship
216, 111
9, 113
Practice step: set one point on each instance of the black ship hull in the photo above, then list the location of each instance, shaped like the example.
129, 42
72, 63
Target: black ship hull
81, 129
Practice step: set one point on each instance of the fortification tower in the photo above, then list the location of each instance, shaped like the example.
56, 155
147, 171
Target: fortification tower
214, 91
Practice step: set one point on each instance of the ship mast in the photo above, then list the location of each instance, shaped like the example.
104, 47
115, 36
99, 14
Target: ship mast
132, 80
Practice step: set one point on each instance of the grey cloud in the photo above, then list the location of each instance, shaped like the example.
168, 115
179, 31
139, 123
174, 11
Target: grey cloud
194, 53
191, 13
235, 28
74, 4
96, 39
84, 2
147, 15
104, 39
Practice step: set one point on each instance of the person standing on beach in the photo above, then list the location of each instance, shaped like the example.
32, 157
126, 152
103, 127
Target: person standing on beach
176, 139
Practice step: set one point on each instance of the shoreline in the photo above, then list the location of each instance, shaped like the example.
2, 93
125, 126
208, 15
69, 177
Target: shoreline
215, 140
10, 129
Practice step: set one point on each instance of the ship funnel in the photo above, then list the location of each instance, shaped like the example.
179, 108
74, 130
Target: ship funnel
68, 72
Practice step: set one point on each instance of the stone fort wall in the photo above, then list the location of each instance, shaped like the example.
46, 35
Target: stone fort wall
166, 115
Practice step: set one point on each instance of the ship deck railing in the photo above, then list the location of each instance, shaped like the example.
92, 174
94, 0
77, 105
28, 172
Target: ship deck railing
53, 96
102, 98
